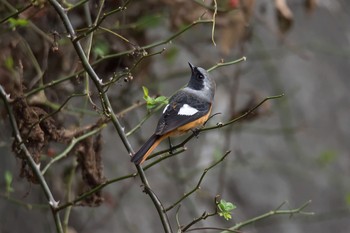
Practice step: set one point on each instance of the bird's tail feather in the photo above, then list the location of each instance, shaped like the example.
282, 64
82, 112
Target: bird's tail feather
141, 155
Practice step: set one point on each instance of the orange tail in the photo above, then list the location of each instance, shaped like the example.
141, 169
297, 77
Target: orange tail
141, 155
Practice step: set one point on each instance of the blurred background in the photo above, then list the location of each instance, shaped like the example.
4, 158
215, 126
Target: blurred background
291, 150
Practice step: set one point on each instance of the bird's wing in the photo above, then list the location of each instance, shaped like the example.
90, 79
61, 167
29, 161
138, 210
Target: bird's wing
183, 108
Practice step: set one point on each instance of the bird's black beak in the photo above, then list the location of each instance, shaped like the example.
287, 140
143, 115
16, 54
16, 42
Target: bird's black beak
192, 67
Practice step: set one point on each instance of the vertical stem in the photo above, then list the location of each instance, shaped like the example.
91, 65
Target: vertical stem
35, 167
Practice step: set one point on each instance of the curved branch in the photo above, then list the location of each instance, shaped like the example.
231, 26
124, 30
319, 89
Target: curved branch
199, 182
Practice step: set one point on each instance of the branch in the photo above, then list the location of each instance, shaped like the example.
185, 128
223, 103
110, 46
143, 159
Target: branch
219, 125
98, 22
35, 167
16, 12
202, 217
95, 189
70, 147
199, 182
272, 213
219, 64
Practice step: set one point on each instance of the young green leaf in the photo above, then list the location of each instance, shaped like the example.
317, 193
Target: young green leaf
17, 23
145, 92
225, 208
153, 102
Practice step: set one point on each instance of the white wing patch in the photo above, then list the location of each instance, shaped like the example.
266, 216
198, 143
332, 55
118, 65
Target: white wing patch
187, 110
166, 107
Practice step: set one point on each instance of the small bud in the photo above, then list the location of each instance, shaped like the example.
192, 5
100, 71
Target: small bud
220, 124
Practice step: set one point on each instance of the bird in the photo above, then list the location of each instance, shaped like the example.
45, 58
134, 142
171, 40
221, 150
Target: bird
186, 110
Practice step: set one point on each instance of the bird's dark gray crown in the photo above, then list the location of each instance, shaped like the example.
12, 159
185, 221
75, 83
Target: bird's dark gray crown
201, 83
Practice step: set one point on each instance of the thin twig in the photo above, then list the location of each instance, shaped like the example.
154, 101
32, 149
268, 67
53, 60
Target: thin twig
243, 115
94, 190
70, 147
226, 63
20, 202
200, 218
16, 12
271, 213
199, 182
219, 125
116, 34
100, 20
212, 228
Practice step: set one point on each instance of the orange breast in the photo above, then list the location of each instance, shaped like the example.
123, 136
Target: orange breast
193, 124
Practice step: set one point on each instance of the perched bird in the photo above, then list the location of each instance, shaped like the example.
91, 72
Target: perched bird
187, 109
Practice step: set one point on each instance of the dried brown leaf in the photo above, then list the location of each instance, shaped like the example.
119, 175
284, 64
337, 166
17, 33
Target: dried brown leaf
234, 26
284, 16
37, 131
90, 163
310, 5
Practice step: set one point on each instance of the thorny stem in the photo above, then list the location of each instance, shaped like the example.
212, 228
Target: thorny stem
35, 167
108, 110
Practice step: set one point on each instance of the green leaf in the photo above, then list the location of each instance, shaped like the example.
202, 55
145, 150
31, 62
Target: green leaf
225, 208
17, 23
153, 102
161, 99
145, 92
8, 181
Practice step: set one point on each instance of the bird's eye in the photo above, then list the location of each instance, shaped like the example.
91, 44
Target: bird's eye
200, 76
